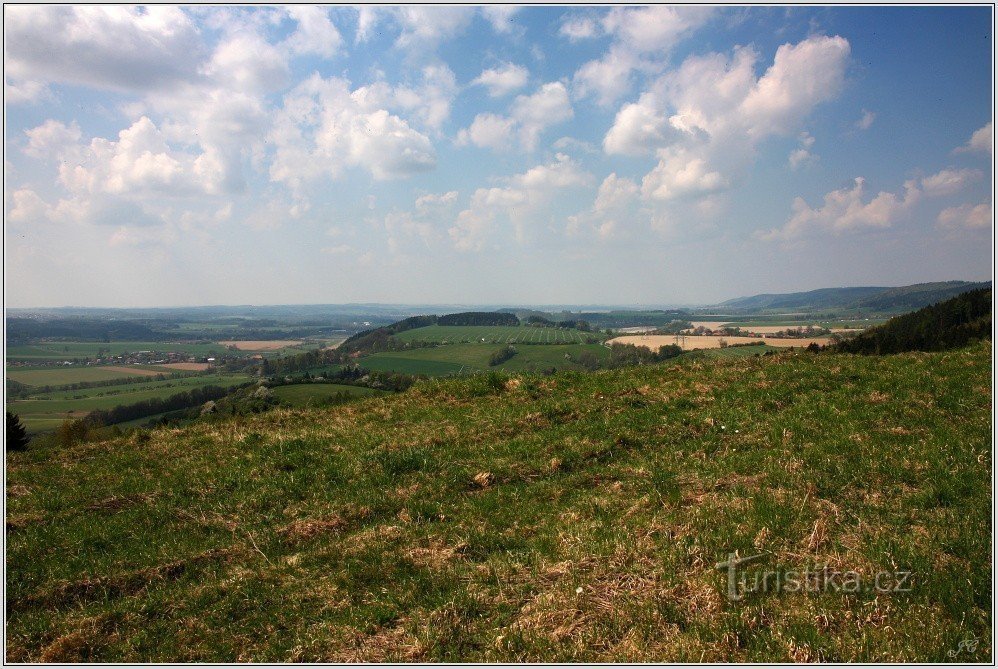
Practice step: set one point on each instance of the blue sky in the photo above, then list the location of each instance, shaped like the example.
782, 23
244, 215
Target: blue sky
534, 155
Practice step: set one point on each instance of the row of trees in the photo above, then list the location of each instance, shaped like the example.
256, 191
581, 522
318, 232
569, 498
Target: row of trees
502, 355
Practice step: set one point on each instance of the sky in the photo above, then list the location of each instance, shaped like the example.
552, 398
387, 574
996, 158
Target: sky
168, 156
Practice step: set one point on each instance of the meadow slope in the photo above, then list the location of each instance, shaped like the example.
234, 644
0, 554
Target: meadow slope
503, 518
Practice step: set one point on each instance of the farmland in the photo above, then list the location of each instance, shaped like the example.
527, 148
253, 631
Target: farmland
59, 376
45, 411
693, 342
457, 334
468, 358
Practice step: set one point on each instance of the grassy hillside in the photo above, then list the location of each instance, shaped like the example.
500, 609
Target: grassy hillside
468, 358
306, 394
874, 298
498, 518
496, 334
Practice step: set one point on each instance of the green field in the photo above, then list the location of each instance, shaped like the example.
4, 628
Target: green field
59, 351
456, 334
738, 351
61, 376
45, 412
468, 358
490, 518
305, 394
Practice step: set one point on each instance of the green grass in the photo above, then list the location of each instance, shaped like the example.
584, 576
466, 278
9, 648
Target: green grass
569, 518
456, 334
45, 412
738, 351
305, 394
57, 351
61, 376
468, 358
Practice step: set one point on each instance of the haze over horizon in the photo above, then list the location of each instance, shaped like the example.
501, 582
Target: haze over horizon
497, 155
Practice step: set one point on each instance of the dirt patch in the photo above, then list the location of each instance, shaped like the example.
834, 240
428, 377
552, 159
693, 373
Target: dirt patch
694, 342
117, 503
307, 529
187, 366
256, 345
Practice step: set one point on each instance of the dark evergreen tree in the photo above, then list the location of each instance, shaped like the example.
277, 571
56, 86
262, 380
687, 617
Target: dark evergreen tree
17, 436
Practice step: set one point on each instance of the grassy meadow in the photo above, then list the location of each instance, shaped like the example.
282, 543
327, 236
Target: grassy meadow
495, 334
305, 394
62, 376
468, 358
507, 518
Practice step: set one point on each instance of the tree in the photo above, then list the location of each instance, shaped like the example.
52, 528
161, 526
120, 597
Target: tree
17, 436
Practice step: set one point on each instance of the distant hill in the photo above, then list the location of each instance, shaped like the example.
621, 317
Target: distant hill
945, 325
874, 298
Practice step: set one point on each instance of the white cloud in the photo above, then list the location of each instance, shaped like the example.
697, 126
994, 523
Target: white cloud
322, 127
533, 113
529, 116
315, 33
109, 47
503, 79
247, 62
521, 195
51, 139
680, 174
637, 130
428, 100
949, 181
489, 131
368, 16
845, 210
613, 201
577, 28
614, 192
609, 77
25, 92
866, 120
27, 207
426, 27
643, 38
981, 141
802, 156
500, 17
966, 216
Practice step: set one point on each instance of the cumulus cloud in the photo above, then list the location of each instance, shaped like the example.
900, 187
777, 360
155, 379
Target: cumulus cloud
503, 80
680, 173
981, 141
949, 181
802, 156
500, 17
641, 38
966, 216
846, 210
521, 194
322, 126
577, 28
51, 139
489, 131
110, 47
529, 116
424, 28
637, 129
613, 202
246, 61
315, 33
866, 120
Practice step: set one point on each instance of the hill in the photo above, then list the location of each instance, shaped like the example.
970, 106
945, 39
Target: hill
873, 298
497, 518
941, 326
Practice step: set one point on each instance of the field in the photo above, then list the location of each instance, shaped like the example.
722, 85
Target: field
59, 351
468, 358
696, 342
509, 519
186, 366
304, 394
262, 345
46, 411
456, 334
60, 376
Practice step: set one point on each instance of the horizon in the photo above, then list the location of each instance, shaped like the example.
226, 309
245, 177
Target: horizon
484, 305
515, 155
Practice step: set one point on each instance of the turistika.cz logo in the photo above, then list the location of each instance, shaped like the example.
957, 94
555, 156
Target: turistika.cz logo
741, 582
